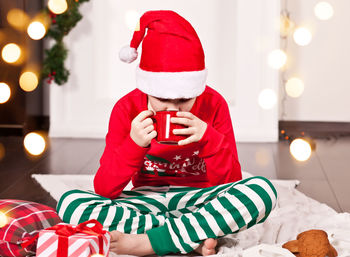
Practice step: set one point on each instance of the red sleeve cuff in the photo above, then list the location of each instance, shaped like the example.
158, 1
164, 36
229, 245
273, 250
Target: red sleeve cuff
210, 142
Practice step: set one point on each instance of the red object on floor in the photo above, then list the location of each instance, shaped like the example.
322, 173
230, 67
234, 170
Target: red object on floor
65, 240
23, 221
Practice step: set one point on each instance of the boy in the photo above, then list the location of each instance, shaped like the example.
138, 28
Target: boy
184, 197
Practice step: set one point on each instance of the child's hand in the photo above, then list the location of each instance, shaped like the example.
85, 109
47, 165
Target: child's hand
142, 129
196, 127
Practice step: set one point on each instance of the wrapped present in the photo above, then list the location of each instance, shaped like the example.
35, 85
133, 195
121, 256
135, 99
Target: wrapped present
64, 240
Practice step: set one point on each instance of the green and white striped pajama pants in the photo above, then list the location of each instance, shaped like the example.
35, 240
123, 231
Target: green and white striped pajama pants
176, 219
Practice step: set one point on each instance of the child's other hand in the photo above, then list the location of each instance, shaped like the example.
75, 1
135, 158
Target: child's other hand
196, 127
142, 129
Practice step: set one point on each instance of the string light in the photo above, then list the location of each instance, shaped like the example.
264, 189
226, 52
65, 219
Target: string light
300, 149
28, 81
323, 10
277, 59
302, 36
34, 143
5, 92
36, 30
18, 19
286, 25
57, 6
267, 99
11, 53
294, 87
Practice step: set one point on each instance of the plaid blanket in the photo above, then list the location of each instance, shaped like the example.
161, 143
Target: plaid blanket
23, 221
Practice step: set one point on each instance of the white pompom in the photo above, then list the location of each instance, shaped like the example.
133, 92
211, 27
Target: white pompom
128, 54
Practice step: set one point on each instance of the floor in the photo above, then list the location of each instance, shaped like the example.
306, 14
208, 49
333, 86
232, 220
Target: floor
324, 177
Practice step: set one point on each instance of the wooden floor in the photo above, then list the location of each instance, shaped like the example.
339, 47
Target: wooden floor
324, 177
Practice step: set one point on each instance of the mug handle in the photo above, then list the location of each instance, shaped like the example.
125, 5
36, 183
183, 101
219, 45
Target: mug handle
259, 250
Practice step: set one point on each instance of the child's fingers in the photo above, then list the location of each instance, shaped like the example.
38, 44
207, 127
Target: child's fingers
183, 121
186, 115
149, 128
185, 131
143, 115
151, 135
188, 140
145, 123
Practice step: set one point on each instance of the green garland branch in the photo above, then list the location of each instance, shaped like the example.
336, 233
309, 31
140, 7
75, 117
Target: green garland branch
61, 25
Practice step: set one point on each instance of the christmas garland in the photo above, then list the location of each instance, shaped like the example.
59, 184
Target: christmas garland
53, 64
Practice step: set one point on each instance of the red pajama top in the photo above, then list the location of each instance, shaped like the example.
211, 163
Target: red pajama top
211, 161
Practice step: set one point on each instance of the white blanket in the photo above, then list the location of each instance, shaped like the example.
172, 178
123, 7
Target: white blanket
294, 213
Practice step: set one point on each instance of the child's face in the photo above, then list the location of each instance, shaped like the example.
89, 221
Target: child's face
160, 104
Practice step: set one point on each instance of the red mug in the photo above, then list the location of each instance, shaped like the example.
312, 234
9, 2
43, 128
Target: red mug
164, 128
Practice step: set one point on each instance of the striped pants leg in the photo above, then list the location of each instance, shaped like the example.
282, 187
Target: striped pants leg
176, 219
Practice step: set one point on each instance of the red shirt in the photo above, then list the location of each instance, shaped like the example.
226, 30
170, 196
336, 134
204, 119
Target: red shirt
211, 161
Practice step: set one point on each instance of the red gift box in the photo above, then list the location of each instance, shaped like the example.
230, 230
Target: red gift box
65, 240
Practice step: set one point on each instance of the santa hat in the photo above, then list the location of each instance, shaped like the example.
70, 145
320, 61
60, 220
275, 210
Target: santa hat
172, 61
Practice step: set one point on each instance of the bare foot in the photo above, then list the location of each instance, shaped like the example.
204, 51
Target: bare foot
207, 247
131, 244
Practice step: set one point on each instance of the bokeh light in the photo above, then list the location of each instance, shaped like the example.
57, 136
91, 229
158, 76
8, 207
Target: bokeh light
132, 19
267, 99
11, 53
28, 81
18, 19
34, 143
277, 59
294, 87
300, 149
57, 6
323, 10
262, 157
302, 36
97, 255
3, 219
5, 92
36, 30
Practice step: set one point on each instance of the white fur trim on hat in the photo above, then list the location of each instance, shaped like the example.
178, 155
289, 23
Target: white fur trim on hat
171, 85
128, 54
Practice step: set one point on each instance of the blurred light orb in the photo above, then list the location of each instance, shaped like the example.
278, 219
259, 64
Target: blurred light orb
17, 19
34, 143
323, 10
300, 149
3, 219
97, 255
11, 53
267, 99
302, 36
5, 92
262, 157
132, 20
36, 30
277, 59
28, 81
57, 6
294, 87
